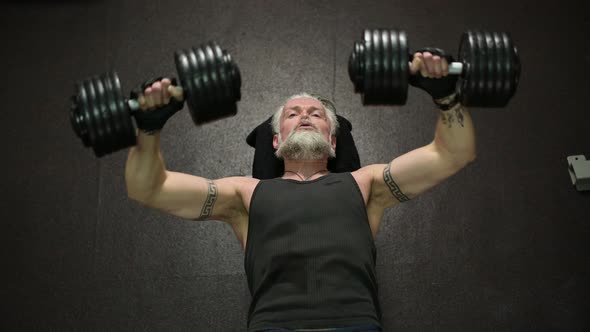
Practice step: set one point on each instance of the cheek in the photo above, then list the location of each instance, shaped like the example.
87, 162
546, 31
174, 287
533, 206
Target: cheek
284, 134
288, 126
326, 128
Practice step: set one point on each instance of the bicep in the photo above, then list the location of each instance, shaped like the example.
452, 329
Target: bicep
196, 198
412, 174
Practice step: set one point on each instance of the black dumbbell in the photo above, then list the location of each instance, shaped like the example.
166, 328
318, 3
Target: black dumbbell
489, 68
102, 117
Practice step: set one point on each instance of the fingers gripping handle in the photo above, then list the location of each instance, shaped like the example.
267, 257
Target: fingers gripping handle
440, 87
152, 120
134, 104
133, 101
455, 68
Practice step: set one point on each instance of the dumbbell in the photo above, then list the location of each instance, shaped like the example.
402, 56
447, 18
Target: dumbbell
489, 68
102, 117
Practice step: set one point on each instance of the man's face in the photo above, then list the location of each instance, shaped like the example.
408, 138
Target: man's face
304, 114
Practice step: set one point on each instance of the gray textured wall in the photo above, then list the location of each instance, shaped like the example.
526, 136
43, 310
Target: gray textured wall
500, 246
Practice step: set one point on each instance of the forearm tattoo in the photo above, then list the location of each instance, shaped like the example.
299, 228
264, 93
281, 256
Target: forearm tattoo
209, 202
393, 187
453, 115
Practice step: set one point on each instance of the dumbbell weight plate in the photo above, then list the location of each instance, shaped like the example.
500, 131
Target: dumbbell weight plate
356, 67
210, 80
499, 63
378, 67
504, 87
491, 69
468, 56
512, 66
99, 115
498, 66
125, 132
484, 73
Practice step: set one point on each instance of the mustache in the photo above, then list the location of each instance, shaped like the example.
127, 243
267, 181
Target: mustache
305, 123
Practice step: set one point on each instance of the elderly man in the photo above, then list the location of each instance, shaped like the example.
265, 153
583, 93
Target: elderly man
308, 235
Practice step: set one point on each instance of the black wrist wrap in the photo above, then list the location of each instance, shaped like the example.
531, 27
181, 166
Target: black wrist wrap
151, 120
437, 88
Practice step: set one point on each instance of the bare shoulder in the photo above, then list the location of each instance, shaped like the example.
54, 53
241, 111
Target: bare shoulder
197, 198
245, 187
241, 182
372, 180
364, 178
366, 173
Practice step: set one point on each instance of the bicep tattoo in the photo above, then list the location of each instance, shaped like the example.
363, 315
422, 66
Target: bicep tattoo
209, 201
393, 187
453, 115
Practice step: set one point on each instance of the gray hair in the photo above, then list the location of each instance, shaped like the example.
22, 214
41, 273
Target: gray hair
328, 106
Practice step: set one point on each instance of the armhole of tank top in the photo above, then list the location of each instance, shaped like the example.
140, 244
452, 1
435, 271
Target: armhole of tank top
358, 190
249, 214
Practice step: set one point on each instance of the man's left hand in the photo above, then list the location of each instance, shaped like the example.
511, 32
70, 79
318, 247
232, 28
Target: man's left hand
429, 65
430, 72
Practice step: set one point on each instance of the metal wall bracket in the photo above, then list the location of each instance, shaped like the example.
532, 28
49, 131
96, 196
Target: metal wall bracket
579, 169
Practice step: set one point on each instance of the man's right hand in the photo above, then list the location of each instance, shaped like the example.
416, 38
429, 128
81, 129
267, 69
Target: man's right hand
158, 101
158, 94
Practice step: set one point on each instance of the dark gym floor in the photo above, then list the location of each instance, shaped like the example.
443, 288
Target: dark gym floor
500, 246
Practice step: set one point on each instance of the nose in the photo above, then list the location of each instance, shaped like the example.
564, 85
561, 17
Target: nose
305, 118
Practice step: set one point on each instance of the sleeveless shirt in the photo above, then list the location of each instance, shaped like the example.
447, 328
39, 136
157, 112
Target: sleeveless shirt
310, 255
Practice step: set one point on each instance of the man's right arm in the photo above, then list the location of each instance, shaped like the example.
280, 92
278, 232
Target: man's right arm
183, 195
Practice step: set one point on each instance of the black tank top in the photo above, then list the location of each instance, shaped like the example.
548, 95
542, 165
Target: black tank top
310, 256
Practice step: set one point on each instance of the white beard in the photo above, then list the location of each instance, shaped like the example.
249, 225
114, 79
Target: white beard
305, 145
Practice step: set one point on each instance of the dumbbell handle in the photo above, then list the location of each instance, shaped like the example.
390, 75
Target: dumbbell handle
134, 104
455, 68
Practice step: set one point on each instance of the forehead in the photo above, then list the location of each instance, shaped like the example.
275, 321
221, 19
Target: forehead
303, 102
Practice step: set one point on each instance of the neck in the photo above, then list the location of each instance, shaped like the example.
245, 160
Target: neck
305, 169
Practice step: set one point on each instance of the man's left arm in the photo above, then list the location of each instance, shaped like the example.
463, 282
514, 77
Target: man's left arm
452, 148
419, 170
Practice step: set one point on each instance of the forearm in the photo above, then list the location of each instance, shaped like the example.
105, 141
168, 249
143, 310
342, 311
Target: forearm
145, 170
455, 134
